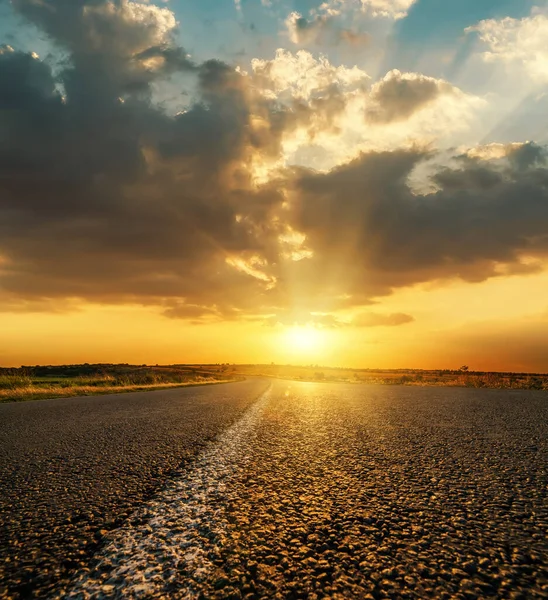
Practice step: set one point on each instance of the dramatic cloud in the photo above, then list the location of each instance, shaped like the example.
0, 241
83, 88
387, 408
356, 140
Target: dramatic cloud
482, 216
313, 91
119, 46
398, 95
520, 42
207, 214
105, 197
336, 113
301, 76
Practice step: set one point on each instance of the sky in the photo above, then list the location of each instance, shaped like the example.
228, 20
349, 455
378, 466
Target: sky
357, 183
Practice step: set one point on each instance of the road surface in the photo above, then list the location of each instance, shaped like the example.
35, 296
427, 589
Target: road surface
72, 469
312, 491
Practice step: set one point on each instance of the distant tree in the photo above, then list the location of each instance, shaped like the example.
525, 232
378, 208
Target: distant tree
464, 368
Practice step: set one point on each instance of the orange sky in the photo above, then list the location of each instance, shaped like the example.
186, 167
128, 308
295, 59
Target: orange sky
496, 325
348, 189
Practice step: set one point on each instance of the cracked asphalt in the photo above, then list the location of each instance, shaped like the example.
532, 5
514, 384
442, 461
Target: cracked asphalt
342, 491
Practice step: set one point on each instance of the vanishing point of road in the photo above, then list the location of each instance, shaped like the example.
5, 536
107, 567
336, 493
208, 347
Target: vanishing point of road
276, 489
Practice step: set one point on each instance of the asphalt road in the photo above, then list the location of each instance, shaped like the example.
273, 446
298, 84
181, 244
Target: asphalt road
316, 491
72, 469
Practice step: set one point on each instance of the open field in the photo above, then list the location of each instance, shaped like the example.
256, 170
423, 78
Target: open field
32, 383
449, 378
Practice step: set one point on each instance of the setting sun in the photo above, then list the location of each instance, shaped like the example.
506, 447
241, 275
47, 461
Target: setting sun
305, 191
304, 339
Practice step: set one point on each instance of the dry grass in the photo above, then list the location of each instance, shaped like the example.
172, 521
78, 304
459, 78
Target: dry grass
18, 387
398, 377
31, 383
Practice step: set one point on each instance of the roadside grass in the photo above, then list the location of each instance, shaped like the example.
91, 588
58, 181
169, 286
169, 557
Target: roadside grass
18, 387
32, 383
441, 378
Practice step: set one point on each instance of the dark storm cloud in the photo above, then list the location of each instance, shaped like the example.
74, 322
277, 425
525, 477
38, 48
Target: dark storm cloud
106, 197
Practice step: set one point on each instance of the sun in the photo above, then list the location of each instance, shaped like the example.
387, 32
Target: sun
304, 339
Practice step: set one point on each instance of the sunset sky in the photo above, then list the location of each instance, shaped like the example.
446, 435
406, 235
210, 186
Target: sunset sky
351, 183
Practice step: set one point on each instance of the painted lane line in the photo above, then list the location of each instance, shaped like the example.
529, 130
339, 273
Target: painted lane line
178, 533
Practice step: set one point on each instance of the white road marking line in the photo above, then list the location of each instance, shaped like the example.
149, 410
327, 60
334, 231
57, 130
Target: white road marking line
182, 527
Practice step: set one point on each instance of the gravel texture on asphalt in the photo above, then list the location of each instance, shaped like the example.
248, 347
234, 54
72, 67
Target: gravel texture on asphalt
340, 491
316, 491
73, 469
